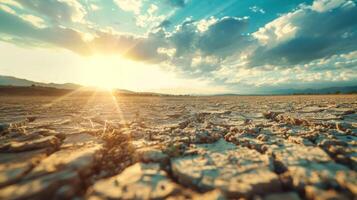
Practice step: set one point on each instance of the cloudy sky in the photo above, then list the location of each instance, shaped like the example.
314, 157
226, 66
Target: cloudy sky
181, 46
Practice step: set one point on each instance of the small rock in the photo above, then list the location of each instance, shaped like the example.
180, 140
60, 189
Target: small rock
263, 137
31, 119
270, 115
343, 126
4, 127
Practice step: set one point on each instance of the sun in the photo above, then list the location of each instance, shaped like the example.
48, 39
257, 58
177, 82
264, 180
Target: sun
104, 71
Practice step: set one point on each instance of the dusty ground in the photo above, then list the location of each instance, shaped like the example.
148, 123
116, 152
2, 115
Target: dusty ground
104, 147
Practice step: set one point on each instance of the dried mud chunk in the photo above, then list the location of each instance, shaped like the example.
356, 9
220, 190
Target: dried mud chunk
312, 109
308, 165
139, 181
283, 196
80, 139
343, 126
295, 154
80, 159
38, 143
184, 124
271, 115
318, 174
300, 140
150, 154
204, 136
40, 188
211, 195
49, 132
326, 143
316, 193
31, 118
10, 173
237, 171
21, 157
175, 149
348, 180
342, 111
248, 184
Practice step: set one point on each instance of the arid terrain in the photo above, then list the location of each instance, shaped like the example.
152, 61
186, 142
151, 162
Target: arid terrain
114, 147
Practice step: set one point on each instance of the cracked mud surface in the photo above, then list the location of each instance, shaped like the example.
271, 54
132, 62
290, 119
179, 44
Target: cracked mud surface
104, 147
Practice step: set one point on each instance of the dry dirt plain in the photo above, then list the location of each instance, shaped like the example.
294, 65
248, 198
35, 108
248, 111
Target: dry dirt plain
249, 147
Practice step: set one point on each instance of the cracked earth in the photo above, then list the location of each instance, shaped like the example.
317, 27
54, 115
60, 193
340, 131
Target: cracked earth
248, 147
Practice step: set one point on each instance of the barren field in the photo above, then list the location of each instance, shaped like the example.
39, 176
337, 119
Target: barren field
250, 147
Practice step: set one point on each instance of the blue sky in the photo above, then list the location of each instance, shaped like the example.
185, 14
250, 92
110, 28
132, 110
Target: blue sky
181, 46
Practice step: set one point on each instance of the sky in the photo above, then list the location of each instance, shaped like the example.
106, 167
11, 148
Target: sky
181, 46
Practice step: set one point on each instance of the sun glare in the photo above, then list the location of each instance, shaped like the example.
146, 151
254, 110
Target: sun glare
104, 71
110, 72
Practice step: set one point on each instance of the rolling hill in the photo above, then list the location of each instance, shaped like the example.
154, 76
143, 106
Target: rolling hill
13, 81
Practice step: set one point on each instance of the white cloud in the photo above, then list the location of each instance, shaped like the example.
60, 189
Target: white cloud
167, 51
58, 11
11, 3
325, 5
149, 19
351, 55
130, 5
200, 61
310, 32
152, 9
256, 9
34, 20
94, 7
78, 10
279, 30
7, 9
203, 24
143, 18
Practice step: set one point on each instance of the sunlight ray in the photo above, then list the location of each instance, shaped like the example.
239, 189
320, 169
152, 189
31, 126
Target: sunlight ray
59, 99
118, 109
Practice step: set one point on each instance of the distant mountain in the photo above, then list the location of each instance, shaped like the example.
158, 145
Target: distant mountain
10, 85
13, 81
329, 90
122, 91
131, 93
